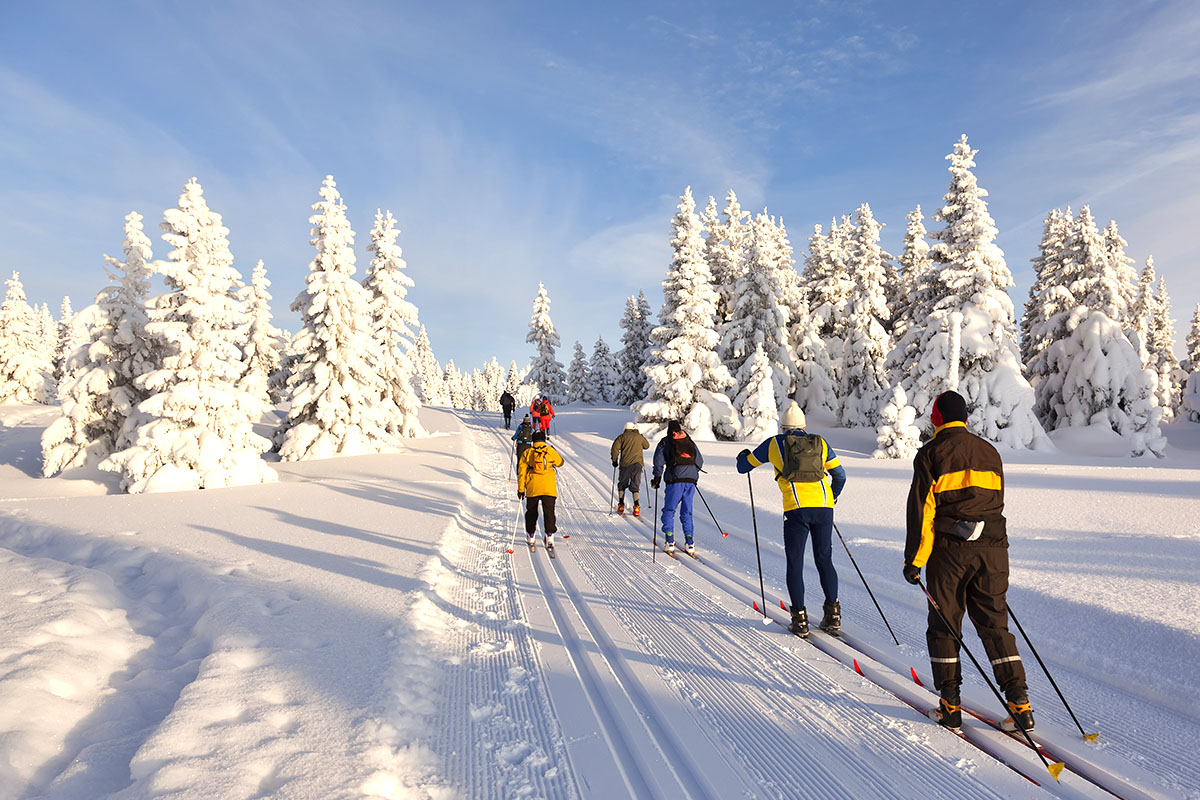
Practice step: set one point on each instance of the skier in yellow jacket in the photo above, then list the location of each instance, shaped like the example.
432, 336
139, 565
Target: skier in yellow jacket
538, 482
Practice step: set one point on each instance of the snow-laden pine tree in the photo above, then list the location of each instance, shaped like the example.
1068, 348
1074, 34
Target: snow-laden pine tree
334, 388
1095, 378
72, 333
866, 342
686, 378
897, 434
577, 374
24, 369
545, 370
1048, 298
1191, 392
759, 316
757, 400
493, 379
1160, 343
392, 318
812, 383
455, 391
99, 388
968, 341
725, 251
48, 337
429, 380
195, 429
915, 278
263, 350
604, 379
637, 326
1088, 272
513, 379
827, 279
1120, 267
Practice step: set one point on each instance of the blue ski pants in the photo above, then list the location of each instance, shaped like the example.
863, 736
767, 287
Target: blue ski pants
679, 494
798, 525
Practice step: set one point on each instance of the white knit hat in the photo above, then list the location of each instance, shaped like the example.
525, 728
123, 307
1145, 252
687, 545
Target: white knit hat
793, 417
629, 426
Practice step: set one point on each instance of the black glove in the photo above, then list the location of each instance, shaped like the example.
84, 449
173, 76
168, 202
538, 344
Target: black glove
654, 482
744, 454
912, 574
520, 495
614, 465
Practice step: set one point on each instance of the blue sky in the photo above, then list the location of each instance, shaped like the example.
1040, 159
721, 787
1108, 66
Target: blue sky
549, 141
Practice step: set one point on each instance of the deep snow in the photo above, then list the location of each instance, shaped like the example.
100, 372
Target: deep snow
357, 630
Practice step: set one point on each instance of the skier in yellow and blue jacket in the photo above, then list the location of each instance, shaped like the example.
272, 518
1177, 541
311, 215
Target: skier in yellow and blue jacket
807, 511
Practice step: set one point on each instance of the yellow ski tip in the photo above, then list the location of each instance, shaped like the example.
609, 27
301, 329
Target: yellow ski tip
1091, 737
1056, 769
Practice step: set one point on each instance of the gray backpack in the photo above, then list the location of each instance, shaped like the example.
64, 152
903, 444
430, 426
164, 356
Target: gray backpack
803, 458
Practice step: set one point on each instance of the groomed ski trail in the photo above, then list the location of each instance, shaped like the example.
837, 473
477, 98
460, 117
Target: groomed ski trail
688, 695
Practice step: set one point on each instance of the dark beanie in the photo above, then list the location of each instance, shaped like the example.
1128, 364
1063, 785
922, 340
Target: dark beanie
674, 427
948, 407
539, 436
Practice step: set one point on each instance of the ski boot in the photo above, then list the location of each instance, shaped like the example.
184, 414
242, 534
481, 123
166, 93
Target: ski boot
637, 510
531, 542
948, 714
669, 543
621, 507
799, 624
688, 546
1020, 716
832, 621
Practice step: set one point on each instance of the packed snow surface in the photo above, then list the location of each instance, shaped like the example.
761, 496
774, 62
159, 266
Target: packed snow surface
359, 630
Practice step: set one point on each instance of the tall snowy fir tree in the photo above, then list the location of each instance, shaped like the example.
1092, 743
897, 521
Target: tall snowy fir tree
1048, 297
756, 401
99, 388
897, 434
915, 279
1120, 266
577, 374
429, 381
72, 333
334, 388
759, 316
513, 379
635, 349
725, 250
827, 279
866, 344
686, 376
1160, 343
392, 318
1142, 313
604, 379
979, 354
24, 369
1191, 392
1088, 272
493, 379
455, 392
195, 430
545, 370
263, 351
813, 386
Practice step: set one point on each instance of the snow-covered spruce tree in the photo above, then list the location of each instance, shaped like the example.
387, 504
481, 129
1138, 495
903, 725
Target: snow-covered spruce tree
493, 378
47, 336
812, 384
725, 251
970, 282
24, 368
897, 434
759, 316
1160, 342
1096, 378
604, 380
392, 318
1191, 393
635, 349
513, 379
1120, 267
757, 401
72, 333
1142, 312
1088, 272
545, 370
263, 351
827, 279
335, 388
915, 279
577, 374
456, 394
194, 430
99, 388
1048, 297
429, 381
866, 343
686, 378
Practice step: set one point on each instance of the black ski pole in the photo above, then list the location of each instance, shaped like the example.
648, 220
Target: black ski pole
1056, 768
1090, 737
612, 493
720, 530
512, 461
654, 542
867, 585
754, 519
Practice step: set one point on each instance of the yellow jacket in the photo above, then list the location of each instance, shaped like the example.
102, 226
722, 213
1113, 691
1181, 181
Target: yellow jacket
533, 483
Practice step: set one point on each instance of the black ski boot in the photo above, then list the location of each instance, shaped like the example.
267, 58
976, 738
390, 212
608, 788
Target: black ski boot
799, 624
832, 621
948, 714
1020, 716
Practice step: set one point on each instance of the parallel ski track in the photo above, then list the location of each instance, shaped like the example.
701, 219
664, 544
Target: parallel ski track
748, 716
1095, 774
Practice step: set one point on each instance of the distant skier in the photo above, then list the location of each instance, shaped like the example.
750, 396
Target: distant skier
545, 413
956, 529
507, 404
810, 478
626, 455
523, 436
535, 410
678, 462
538, 483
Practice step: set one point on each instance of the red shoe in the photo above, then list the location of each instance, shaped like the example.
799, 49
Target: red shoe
637, 511
620, 508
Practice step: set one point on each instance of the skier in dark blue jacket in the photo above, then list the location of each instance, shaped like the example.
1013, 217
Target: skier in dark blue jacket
678, 462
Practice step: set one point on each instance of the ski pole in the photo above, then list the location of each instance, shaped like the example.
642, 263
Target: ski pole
754, 518
724, 533
1057, 767
1089, 737
512, 461
863, 578
654, 543
513, 539
612, 493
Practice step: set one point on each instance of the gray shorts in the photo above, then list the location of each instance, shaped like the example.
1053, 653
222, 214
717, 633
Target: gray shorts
630, 478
